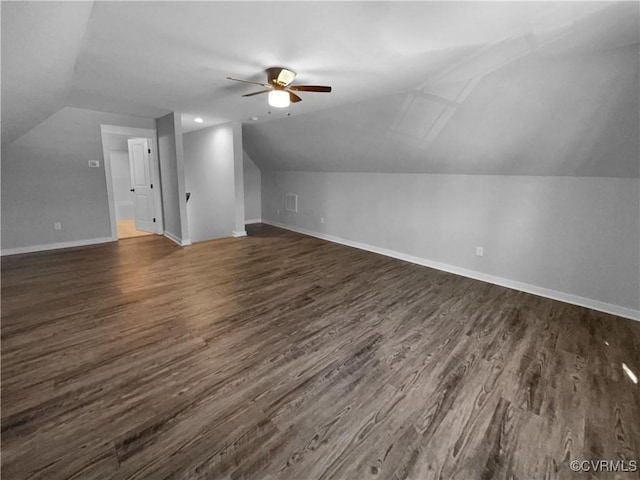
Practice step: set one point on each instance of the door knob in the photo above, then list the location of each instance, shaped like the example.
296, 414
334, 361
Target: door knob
132, 189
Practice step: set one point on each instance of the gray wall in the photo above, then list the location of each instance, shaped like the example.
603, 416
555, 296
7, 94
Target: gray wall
170, 152
211, 178
252, 190
46, 178
574, 235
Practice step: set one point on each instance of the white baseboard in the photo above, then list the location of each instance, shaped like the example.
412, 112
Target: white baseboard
239, 233
503, 282
55, 246
254, 220
174, 238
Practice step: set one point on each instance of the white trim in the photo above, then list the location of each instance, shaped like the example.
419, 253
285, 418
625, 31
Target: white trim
484, 277
151, 135
133, 131
239, 233
253, 220
176, 239
55, 246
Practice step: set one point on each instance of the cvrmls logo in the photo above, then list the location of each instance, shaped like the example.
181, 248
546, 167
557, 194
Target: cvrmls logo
604, 466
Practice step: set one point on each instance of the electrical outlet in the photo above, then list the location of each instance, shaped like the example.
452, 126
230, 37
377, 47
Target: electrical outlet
321, 219
479, 251
57, 225
94, 163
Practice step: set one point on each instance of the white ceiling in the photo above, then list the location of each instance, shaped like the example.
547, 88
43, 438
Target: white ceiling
553, 102
151, 58
40, 44
458, 87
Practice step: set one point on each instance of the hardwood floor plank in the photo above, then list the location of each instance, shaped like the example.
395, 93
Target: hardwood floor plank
281, 356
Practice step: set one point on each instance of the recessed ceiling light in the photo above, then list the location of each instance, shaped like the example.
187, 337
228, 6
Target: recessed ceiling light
198, 120
254, 118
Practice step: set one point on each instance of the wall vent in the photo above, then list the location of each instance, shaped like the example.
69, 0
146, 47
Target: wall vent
291, 202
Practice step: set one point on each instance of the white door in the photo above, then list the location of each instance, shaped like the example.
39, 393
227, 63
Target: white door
142, 184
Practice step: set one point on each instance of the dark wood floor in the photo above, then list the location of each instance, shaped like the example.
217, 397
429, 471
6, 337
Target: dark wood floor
284, 356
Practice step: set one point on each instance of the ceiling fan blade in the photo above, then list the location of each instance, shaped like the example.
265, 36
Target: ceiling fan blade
247, 81
257, 93
310, 88
293, 97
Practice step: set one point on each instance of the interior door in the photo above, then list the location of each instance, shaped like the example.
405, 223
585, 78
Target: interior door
142, 184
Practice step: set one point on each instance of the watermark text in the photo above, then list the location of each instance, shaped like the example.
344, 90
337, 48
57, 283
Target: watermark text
604, 465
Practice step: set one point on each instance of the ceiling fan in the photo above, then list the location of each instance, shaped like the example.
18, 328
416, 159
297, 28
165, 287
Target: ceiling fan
279, 87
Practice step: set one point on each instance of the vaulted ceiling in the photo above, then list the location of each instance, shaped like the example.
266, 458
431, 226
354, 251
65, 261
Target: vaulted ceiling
562, 104
416, 84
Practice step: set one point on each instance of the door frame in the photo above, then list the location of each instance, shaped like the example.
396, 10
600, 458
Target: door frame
155, 175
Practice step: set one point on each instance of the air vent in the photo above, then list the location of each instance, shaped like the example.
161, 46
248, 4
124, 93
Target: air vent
291, 202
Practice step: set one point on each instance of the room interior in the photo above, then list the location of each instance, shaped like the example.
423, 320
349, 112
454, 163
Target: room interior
430, 271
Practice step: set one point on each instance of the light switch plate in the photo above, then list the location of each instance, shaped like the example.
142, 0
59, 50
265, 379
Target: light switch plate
94, 163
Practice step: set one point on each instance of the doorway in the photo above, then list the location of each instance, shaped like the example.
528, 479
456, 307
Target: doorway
132, 174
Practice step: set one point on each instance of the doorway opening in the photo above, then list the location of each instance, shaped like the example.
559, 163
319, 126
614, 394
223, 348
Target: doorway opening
123, 173
133, 183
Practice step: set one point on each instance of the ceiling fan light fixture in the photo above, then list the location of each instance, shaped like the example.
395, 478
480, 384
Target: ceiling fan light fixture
279, 98
285, 77
281, 92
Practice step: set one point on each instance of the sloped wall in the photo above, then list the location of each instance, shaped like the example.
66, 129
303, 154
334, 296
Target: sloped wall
46, 179
570, 115
37, 71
